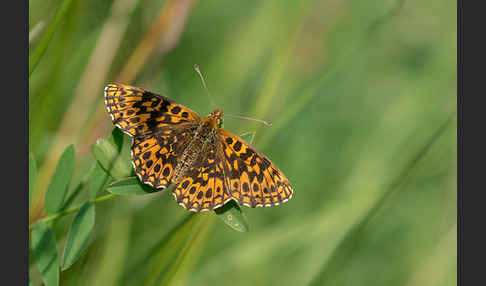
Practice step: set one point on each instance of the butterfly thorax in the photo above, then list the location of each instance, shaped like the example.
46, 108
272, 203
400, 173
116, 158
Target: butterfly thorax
203, 138
213, 119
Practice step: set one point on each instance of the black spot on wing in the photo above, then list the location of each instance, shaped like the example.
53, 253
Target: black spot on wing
147, 155
166, 172
246, 188
176, 110
209, 192
237, 146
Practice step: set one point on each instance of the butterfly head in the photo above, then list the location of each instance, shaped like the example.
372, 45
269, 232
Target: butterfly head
215, 118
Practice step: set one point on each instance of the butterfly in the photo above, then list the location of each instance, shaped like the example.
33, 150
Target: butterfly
208, 165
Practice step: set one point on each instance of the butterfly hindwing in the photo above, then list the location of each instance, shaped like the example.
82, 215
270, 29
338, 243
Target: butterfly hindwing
254, 181
203, 187
139, 112
154, 157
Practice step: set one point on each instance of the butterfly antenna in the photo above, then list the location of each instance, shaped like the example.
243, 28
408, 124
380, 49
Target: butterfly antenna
267, 123
196, 68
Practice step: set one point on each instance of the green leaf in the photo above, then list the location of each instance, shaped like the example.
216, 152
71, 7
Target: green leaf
231, 214
98, 178
79, 233
39, 52
130, 186
79, 181
32, 177
44, 247
58, 186
107, 155
248, 137
116, 138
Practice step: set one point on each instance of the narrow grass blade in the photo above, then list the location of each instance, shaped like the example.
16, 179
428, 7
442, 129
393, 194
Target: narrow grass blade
178, 251
35, 32
39, 52
45, 253
181, 266
107, 155
168, 248
168, 245
32, 177
98, 178
79, 233
346, 247
129, 186
113, 256
58, 186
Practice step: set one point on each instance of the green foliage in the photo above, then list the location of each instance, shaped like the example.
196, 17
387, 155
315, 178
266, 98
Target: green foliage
352, 238
98, 178
176, 251
248, 137
355, 91
39, 52
32, 177
44, 246
116, 138
79, 233
59, 184
232, 215
107, 155
129, 186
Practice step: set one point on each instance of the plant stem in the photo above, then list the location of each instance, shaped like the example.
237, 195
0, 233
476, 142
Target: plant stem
71, 210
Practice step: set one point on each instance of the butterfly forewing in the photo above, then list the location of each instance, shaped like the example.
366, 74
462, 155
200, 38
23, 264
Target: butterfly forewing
139, 112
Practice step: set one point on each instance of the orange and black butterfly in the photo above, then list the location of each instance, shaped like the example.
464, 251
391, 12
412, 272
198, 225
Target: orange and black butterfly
173, 145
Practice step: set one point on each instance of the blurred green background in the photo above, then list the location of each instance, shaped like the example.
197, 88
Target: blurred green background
362, 97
